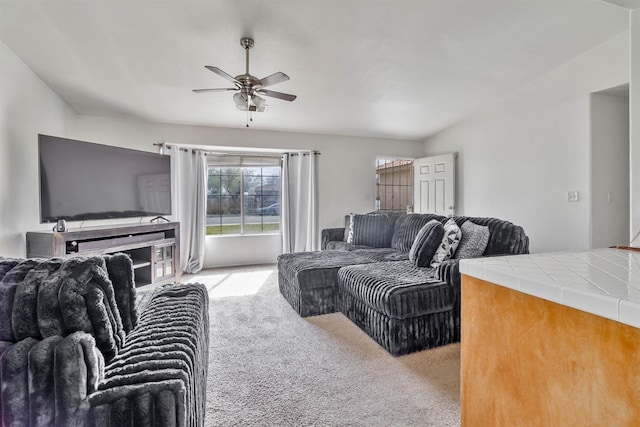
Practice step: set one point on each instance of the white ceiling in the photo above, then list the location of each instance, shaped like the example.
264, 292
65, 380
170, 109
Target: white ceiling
397, 69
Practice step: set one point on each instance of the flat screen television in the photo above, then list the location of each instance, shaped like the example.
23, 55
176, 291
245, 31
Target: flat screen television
86, 181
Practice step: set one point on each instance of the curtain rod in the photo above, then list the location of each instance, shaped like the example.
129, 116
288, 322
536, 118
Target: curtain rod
163, 145
240, 153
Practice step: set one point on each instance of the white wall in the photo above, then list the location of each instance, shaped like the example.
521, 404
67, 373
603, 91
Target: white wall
609, 170
519, 157
634, 109
345, 170
27, 107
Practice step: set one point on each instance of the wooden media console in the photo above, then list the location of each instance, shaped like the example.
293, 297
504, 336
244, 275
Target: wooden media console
154, 248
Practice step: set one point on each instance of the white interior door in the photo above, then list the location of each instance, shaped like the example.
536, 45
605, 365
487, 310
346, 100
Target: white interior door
434, 184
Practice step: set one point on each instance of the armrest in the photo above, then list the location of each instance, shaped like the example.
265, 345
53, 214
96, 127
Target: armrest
160, 373
149, 403
47, 382
331, 235
449, 272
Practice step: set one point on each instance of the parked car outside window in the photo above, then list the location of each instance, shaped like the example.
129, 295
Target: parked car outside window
273, 209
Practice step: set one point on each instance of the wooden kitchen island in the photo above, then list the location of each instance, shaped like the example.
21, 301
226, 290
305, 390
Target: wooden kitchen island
551, 339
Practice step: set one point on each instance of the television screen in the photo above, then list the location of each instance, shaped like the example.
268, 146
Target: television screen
84, 181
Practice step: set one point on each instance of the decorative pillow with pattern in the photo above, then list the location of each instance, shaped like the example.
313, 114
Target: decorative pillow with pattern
474, 240
450, 242
426, 244
348, 232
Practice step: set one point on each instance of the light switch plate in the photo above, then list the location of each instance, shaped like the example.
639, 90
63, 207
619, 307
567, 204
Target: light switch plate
572, 196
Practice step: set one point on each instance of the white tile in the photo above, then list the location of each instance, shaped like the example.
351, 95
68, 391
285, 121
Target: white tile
605, 282
629, 313
591, 302
576, 281
541, 289
540, 276
463, 266
501, 276
475, 269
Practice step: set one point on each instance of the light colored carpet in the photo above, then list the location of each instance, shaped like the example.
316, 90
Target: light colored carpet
270, 367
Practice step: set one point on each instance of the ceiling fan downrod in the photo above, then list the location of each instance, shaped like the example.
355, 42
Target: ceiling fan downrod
246, 43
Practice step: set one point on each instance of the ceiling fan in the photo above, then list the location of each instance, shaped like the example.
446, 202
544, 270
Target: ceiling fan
248, 87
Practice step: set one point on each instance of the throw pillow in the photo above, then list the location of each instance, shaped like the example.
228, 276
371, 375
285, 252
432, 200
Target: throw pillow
426, 244
450, 242
474, 240
348, 231
371, 230
406, 229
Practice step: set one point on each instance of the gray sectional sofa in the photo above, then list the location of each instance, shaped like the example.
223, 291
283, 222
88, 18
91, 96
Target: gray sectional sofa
403, 303
79, 345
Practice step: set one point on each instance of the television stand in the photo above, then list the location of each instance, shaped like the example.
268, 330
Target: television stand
154, 248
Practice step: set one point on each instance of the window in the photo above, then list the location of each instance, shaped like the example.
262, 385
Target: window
394, 185
243, 195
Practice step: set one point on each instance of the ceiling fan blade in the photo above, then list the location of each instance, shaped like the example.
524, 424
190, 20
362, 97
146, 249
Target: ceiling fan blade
220, 89
279, 95
273, 79
222, 74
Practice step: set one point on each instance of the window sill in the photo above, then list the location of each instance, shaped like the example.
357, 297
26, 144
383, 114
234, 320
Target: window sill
244, 235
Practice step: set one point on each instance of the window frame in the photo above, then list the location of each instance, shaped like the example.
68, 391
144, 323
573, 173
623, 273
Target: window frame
243, 163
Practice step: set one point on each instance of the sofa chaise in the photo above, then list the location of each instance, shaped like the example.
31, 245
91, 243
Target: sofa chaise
404, 304
79, 345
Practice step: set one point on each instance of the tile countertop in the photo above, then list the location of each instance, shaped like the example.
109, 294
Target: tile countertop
604, 282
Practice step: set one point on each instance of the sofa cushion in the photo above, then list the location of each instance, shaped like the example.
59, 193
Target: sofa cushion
406, 229
120, 269
370, 230
343, 246
310, 270
25, 304
474, 240
45, 297
12, 278
450, 242
381, 254
14, 392
399, 290
87, 303
426, 243
504, 237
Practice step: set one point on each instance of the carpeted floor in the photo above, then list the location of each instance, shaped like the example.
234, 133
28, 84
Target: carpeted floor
270, 367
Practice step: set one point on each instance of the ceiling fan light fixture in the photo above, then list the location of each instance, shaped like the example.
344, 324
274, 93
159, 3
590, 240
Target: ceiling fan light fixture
260, 103
241, 101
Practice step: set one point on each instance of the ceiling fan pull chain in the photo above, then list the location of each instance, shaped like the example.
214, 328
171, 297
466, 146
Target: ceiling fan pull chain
249, 117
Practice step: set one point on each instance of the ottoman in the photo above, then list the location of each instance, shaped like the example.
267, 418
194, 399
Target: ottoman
308, 280
402, 307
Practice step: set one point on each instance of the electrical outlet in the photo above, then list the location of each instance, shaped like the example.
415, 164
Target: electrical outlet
610, 196
572, 196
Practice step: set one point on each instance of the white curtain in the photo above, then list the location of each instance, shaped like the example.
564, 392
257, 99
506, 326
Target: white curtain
299, 202
189, 187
